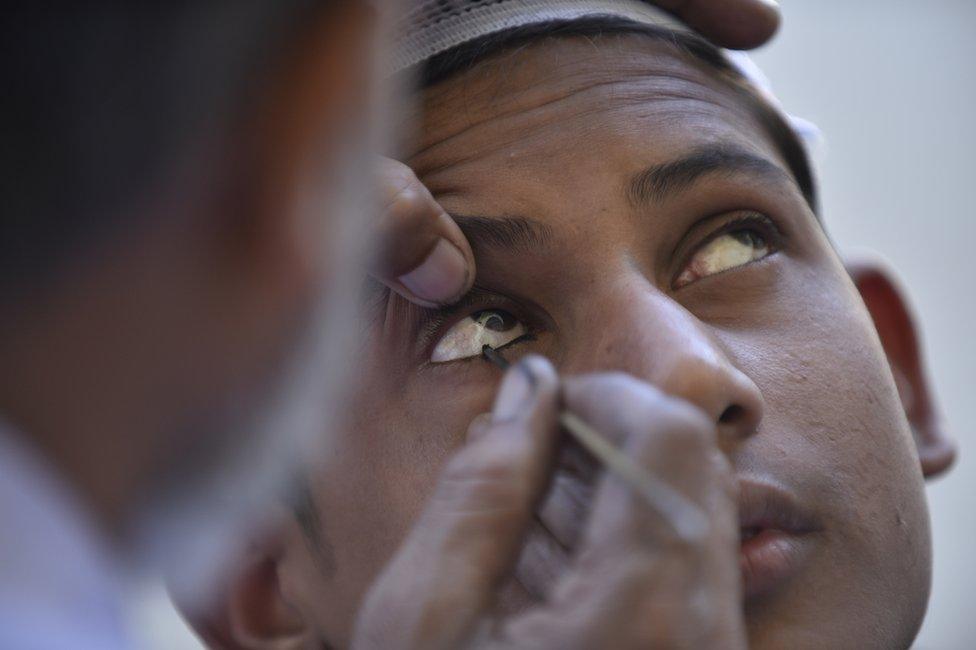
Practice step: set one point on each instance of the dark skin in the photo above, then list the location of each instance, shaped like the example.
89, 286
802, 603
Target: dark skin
779, 352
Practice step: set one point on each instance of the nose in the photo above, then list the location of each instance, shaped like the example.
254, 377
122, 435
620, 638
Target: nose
646, 333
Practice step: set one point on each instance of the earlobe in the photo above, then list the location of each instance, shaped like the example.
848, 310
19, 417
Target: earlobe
250, 612
896, 328
258, 615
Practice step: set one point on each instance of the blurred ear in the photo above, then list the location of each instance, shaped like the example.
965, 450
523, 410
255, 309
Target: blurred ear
250, 611
887, 304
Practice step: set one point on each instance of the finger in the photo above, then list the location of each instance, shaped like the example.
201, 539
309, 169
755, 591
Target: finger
665, 590
422, 254
467, 540
673, 440
735, 24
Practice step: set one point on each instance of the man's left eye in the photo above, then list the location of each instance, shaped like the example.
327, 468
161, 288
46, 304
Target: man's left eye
727, 251
494, 327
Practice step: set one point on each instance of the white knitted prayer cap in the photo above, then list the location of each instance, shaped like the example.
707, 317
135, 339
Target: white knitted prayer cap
431, 27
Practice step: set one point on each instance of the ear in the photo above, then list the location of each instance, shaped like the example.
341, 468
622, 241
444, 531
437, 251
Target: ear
249, 611
892, 317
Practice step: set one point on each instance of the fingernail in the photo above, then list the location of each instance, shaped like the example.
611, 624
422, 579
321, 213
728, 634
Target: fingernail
515, 393
441, 277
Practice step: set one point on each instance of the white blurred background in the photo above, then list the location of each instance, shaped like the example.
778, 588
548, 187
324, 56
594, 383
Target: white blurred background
891, 84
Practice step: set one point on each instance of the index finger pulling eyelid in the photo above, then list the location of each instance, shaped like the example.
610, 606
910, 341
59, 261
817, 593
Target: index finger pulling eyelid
410, 228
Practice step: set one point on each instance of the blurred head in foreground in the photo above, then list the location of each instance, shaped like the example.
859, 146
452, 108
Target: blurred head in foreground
633, 205
176, 182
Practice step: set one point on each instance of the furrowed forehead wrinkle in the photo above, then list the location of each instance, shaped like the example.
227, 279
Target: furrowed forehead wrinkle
659, 182
470, 106
646, 73
534, 132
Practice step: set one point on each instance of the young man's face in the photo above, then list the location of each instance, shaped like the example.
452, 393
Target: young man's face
628, 212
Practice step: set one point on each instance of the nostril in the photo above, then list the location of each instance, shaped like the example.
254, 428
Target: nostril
732, 415
737, 423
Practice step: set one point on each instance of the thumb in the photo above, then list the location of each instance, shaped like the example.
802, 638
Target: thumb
443, 579
423, 255
735, 24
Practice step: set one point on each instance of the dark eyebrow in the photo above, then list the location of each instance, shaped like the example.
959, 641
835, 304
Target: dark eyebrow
660, 182
514, 233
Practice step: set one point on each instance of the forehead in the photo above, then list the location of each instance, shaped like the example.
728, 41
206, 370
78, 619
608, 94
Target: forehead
572, 108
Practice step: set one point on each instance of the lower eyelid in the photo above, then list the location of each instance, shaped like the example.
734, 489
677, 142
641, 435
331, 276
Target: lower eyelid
525, 338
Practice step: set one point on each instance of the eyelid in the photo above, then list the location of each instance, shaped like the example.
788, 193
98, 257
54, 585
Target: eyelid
730, 221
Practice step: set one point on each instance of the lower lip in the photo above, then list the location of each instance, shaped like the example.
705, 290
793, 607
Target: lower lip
770, 559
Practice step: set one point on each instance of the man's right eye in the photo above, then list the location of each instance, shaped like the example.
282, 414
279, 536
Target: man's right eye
494, 327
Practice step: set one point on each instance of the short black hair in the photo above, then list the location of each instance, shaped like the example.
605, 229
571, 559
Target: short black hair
100, 98
467, 55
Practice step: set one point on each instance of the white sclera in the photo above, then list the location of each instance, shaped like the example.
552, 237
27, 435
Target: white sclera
468, 337
721, 254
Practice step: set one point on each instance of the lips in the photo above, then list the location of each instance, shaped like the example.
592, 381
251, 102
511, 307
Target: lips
777, 532
775, 536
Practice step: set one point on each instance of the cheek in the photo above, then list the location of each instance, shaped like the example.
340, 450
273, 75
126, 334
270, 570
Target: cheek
375, 482
832, 398
827, 385
384, 467
836, 430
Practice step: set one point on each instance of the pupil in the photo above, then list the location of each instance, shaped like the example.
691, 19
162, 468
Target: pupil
495, 321
749, 238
